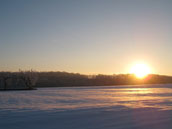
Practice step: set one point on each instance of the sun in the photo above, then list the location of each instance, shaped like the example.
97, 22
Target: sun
140, 70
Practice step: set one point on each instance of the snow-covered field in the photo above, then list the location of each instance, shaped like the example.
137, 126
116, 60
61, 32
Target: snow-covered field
106, 107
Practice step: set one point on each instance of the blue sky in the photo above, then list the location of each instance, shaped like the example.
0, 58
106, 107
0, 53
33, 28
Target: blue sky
85, 36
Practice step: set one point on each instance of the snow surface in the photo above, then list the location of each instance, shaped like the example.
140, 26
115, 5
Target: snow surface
110, 107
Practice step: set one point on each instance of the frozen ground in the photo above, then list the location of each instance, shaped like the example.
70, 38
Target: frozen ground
122, 107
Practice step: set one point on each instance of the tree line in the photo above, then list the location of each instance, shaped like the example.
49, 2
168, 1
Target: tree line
62, 79
29, 79
18, 80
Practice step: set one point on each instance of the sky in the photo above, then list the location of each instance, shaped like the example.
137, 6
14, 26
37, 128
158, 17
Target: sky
86, 36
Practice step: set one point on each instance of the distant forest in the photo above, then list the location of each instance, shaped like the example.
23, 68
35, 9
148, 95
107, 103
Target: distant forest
10, 80
64, 79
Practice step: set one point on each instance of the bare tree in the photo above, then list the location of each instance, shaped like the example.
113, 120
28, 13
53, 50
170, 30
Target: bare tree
5, 76
28, 77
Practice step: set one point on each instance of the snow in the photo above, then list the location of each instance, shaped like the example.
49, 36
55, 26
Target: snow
121, 107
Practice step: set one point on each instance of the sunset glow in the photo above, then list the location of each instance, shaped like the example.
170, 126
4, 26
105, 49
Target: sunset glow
140, 70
